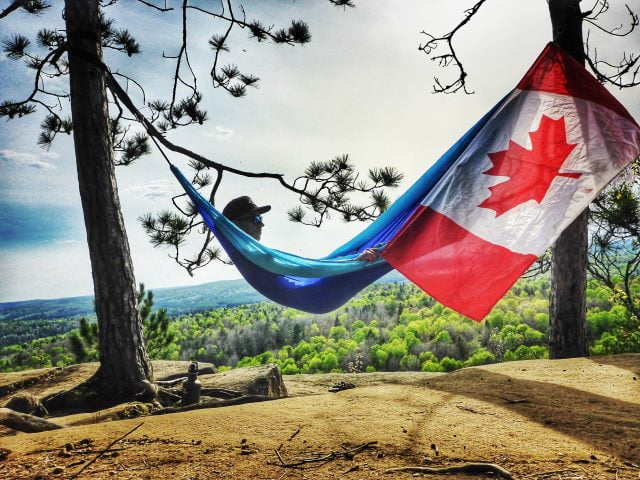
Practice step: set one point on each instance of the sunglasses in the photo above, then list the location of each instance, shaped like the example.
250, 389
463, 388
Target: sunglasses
257, 219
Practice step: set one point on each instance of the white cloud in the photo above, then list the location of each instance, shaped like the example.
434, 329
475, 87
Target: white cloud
68, 242
50, 155
152, 191
27, 159
220, 133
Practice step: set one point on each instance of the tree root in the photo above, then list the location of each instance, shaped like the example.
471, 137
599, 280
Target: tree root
216, 404
23, 422
220, 393
223, 393
472, 468
170, 383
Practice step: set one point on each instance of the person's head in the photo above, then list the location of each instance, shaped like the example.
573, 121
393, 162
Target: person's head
246, 215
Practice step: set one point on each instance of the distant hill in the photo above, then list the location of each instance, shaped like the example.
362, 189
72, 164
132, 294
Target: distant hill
176, 300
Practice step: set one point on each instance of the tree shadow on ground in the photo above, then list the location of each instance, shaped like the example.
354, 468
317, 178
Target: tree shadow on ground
630, 362
606, 423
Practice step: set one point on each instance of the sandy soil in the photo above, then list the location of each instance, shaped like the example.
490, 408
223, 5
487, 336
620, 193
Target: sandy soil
563, 419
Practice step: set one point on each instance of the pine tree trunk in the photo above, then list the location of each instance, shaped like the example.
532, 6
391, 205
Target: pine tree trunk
124, 365
567, 309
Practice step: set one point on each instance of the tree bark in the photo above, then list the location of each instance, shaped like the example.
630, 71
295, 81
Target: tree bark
567, 308
124, 366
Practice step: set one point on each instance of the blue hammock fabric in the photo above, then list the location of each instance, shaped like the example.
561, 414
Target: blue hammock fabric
322, 285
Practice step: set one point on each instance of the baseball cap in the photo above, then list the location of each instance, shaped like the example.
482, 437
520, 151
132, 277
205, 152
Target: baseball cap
243, 207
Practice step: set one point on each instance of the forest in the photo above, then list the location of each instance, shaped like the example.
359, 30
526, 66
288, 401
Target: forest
387, 327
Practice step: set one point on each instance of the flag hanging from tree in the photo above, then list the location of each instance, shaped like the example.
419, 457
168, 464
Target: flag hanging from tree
537, 162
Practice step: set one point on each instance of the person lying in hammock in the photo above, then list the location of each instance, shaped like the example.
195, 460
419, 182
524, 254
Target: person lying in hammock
248, 217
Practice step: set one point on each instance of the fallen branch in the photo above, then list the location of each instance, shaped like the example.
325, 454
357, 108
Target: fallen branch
345, 453
295, 433
516, 400
102, 452
551, 473
472, 468
216, 404
469, 409
167, 397
23, 422
170, 383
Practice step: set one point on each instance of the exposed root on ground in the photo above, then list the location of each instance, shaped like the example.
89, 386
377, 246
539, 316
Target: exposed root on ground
472, 468
23, 422
216, 404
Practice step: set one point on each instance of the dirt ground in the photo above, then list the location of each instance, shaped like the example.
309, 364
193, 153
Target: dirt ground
552, 420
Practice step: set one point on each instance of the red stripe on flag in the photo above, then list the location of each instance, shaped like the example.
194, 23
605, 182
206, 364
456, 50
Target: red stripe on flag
454, 266
555, 71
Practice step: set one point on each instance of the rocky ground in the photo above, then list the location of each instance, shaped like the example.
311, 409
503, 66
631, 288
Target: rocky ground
552, 420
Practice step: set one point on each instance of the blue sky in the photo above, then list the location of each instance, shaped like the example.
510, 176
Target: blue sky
360, 87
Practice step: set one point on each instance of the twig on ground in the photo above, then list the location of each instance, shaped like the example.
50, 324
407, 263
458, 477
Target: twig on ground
322, 459
102, 452
295, 433
516, 400
473, 468
469, 409
549, 473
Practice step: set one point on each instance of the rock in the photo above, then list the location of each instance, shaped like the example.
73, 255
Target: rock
258, 380
24, 403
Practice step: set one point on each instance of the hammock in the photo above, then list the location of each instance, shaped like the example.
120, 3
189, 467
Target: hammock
324, 284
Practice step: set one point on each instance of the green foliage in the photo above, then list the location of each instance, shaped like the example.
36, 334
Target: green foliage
159, 336
450, 364
83, 343
624, 337
482, 356
524, 352
388, 327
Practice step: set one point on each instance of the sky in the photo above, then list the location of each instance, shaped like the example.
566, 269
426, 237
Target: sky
360, 87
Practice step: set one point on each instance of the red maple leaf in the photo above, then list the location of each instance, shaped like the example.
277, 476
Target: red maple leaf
530, 172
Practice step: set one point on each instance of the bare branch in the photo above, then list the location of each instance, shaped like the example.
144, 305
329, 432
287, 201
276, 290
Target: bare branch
450, 57
162, 9
591, 18
624, 73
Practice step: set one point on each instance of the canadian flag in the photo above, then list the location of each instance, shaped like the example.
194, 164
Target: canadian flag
547, 150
